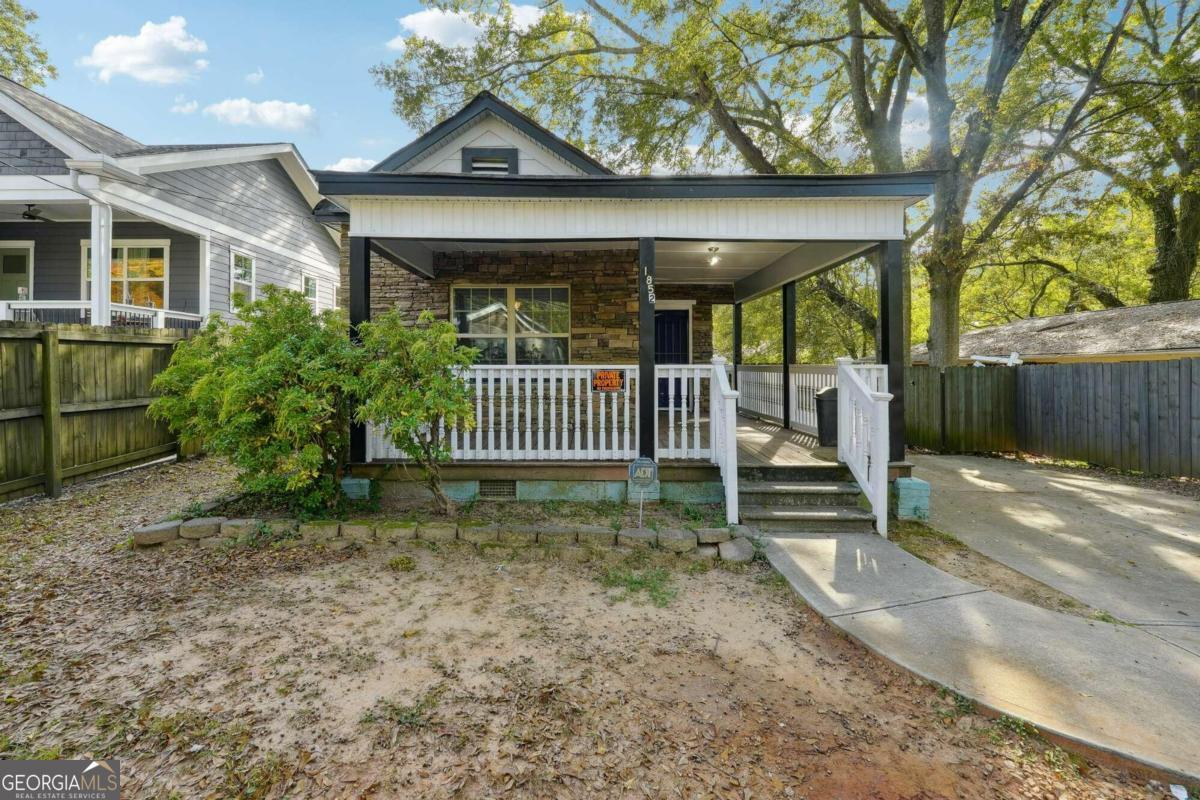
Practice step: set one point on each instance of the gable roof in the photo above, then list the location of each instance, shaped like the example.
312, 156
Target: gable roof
1161, 327
82, 139
94, 136
487, 103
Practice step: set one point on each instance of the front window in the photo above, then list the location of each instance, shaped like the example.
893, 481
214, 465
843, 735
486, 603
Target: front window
514, 325
138, 273
241, 271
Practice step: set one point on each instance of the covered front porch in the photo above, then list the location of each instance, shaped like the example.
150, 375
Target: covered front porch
148, 275
591, 299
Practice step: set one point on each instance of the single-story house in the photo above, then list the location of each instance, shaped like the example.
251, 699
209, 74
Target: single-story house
590, 296
175, 231
1137, 333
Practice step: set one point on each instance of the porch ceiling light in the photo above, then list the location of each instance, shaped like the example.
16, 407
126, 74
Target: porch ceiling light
713, 258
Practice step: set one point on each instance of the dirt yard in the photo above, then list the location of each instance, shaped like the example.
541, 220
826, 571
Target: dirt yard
415, 672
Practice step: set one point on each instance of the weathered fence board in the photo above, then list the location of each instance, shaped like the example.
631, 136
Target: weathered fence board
961, 409
97, 403
1141, 416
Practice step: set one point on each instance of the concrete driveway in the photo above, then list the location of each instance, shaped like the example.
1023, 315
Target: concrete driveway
1130, 551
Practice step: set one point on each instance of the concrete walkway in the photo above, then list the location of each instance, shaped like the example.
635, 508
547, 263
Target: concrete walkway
1130, 551
1113, 687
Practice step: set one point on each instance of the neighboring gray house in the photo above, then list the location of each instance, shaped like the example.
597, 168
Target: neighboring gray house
184, 227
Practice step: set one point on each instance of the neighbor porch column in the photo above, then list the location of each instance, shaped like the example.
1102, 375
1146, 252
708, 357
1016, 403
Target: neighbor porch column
647, 390
789, 348
737, 341
101, 243
360, 311
891, 339
205, 287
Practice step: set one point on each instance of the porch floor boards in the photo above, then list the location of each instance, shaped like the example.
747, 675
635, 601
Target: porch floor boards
766, 444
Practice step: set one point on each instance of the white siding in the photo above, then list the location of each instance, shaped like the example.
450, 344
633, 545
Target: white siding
489, 130
506, 218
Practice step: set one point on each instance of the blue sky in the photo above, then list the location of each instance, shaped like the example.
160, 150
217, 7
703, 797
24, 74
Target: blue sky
220, 71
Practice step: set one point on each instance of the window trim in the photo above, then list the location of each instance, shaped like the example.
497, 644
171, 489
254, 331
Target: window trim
511, 335
510, 154
165, 244
316, 298
23, 244
253, 284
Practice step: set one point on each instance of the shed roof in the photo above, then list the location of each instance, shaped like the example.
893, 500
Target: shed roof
1137, 329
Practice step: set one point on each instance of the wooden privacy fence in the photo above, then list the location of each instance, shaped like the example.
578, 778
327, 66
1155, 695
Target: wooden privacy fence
73, 403
1133, 415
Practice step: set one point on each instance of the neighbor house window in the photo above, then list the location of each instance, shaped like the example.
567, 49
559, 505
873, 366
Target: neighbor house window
139, 272
490, 160
514, 324
241, 270
310, 291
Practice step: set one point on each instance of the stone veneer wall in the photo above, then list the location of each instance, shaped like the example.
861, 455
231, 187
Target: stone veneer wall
604, 294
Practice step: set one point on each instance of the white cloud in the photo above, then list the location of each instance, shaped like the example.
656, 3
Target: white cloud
278, 114
184, 106
255, 77
455, 28
351, 164
914, 131
160, 53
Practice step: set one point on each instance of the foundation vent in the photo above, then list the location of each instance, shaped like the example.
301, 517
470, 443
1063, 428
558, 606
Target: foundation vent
497, 490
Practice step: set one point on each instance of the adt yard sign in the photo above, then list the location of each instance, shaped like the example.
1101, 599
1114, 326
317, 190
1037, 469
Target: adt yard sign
643, 473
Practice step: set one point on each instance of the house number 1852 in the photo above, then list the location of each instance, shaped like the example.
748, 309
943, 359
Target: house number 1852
649, 279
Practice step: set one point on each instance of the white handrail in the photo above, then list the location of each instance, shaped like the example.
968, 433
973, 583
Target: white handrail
863, 432
723, 404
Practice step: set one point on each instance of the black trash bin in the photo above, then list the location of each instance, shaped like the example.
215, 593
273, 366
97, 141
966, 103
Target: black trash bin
827, 417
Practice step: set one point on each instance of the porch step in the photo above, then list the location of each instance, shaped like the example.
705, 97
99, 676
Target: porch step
798, 493
795, 473
801, 519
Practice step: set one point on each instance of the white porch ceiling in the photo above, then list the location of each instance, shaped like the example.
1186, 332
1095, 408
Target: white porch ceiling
752, 267
676, 261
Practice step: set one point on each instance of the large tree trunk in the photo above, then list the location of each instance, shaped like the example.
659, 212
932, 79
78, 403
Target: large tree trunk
1175, 243
945, 290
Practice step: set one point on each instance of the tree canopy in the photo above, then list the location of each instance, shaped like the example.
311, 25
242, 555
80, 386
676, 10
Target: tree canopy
22, 57
1048, 122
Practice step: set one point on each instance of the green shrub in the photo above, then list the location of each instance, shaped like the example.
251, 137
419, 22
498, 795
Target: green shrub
412, 387
272, 394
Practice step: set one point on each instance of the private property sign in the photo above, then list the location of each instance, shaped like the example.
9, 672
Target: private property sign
608, 380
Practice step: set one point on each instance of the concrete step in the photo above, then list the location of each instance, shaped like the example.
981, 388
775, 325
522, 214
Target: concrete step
800, 493
796, 473
801, 519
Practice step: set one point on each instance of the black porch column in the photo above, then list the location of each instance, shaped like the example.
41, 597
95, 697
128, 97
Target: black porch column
891, 339
789, 348
647, 390
737, 341
360, 311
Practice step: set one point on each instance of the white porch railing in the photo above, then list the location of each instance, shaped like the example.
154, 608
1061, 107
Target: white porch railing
723, 402
79, 312
540, 413
679, 430
863, 431
761, 390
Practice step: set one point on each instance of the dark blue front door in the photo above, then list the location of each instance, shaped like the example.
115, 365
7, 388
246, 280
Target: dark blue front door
670, 347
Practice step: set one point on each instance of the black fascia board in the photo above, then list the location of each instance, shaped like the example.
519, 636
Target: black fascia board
625, 187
